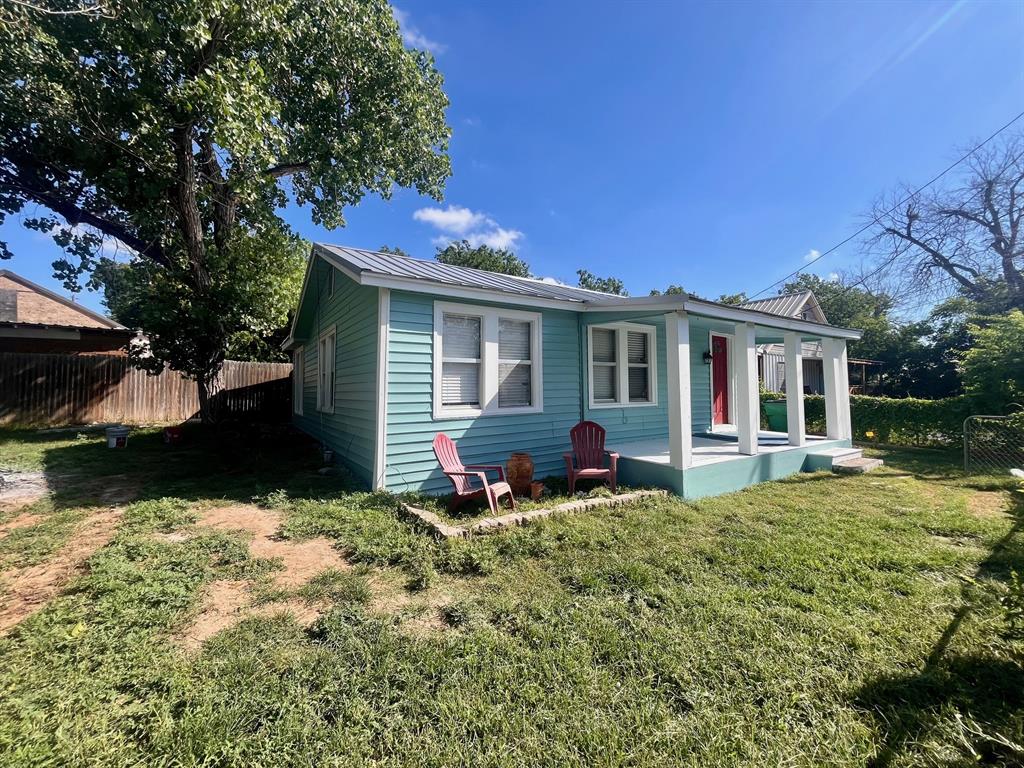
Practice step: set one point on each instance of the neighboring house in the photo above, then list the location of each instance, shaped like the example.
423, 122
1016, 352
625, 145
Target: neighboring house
35, 319
771, 359
389, 350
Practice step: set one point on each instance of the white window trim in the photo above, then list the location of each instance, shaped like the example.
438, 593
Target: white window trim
332, 331
488, 360
622, 363
299, 379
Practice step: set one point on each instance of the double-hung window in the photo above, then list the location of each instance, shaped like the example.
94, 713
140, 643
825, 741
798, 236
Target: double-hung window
325, 371
486, 361
622, 365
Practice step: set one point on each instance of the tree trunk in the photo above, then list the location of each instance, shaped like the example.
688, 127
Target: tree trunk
209, 388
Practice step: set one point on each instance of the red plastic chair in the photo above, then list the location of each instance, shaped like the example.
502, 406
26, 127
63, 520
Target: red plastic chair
461, 476
588, 452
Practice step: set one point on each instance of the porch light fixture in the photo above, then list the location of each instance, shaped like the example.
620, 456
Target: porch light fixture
707, 357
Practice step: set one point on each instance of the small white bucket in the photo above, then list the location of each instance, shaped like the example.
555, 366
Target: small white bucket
117, 437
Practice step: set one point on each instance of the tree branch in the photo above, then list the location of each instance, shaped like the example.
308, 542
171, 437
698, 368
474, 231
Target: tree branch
75, 214
285, 169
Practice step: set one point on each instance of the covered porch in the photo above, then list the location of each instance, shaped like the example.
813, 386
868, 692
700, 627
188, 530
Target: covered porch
711, 353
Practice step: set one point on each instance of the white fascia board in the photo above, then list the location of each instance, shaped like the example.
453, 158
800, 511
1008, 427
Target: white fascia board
768, 320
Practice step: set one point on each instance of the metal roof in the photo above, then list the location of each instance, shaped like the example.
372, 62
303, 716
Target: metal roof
788, 305
391, 265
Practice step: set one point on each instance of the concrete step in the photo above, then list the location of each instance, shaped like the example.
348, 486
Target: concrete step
826, 458
856, 466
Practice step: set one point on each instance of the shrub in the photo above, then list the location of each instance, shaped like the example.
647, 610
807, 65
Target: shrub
905, 421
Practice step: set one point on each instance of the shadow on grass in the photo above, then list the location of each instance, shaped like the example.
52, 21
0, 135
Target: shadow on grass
985, 694
234, 463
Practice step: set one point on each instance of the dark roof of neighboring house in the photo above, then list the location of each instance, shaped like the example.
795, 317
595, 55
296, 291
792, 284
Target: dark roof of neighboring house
57, 297
392, 265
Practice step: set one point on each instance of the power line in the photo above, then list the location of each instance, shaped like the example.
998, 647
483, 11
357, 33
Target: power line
878, 218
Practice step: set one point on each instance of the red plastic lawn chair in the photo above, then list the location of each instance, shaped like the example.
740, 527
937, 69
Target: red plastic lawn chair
586, 462
461, 476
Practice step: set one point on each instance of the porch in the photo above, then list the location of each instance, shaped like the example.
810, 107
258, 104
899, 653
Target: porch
717, 465
709, 440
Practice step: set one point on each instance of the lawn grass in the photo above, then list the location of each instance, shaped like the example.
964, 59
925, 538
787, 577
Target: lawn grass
821, 620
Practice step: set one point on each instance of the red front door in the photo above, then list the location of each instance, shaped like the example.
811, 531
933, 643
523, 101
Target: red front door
719, 380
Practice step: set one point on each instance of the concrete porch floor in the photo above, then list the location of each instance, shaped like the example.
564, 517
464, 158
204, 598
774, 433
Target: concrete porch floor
712, 449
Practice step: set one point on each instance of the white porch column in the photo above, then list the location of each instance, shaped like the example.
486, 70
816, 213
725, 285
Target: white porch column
748, 407
795, 389
680, 423
837, 389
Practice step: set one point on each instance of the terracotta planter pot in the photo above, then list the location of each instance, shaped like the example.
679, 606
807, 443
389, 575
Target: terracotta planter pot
520, 473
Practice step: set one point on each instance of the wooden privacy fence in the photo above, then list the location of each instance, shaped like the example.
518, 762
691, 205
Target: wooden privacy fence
53, 390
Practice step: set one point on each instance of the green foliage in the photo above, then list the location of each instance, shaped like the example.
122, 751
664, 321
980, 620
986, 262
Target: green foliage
180, 128
672, 290
993, 369
592, 282
246, 310
895, 421
732, 298
462, 254
395, 251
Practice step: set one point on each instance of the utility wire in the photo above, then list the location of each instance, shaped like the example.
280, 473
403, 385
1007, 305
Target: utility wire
878, 218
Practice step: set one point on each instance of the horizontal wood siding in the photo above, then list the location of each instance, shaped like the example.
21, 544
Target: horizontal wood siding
351, 429
57, 390
484, 440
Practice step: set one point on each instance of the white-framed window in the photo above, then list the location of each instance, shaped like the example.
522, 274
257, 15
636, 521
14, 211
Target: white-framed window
487, 361
298, 379
325, 370
623, 366
780, 375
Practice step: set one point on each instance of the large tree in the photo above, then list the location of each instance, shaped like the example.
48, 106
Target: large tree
964, 238
462, 254
180, 128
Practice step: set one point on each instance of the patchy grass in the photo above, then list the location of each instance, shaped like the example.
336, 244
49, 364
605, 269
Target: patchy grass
821, 620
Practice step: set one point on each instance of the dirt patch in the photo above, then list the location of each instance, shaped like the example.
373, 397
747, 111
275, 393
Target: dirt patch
23, 520
301, 560
227, 602
26, 590
989, 503
19, 489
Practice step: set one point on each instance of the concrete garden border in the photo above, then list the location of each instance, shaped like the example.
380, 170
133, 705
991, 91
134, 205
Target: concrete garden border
446, 530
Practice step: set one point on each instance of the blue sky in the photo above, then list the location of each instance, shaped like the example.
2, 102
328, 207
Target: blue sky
709, 145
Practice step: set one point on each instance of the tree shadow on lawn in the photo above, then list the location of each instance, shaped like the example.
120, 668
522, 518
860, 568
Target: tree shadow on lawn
984, 694
936, 465
234, 463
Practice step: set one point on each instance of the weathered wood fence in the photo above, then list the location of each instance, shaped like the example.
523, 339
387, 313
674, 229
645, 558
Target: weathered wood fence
54, 390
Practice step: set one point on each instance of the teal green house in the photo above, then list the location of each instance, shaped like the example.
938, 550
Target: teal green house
389, 350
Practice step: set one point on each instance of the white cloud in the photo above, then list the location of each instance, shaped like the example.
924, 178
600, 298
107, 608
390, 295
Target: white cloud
453, 219
833, 277
413, 38
495, 238
812, 254
460, 223
552, 281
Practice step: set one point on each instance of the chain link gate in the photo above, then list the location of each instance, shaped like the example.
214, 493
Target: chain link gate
992, 444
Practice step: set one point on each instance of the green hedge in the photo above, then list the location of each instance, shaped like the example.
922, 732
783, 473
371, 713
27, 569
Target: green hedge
905, 421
